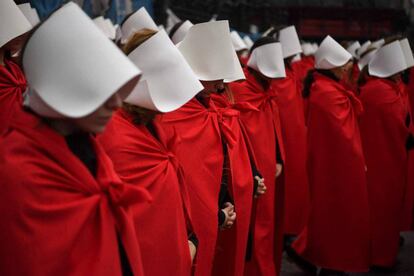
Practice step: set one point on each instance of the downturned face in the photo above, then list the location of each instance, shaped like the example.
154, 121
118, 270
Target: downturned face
216, 86
97, 120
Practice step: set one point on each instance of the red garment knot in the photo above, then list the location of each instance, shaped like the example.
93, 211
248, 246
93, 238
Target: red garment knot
125, 195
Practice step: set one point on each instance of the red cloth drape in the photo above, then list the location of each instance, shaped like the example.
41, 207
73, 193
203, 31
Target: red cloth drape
201, 155
384, 135
294, 138
12, 86
337, 233
262, 128
301, 68
57, 218
142, 160
231, 246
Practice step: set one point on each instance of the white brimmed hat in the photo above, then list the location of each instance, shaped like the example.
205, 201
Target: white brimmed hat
366, 59
353, 47
248, 41
13, 22
237, 41
208, 49
106, 26
331, 54
135, 22
268, 60
30, 13
364, 47
168, 81
289, 39
378, 43
408, 54
72, 73
181, 32
389, 60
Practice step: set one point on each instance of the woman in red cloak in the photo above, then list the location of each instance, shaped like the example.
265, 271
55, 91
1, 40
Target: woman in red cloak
263, 130
385, 132
336, 236
65, 211
142, 156
214, 156
295, 178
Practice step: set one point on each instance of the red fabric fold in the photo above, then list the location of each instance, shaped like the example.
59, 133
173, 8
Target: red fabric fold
262, 127
294, 138
144, 161
12, 85
201, 156
59, 219
231, 246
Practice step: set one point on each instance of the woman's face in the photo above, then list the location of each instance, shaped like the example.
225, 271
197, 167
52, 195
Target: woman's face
96, 121
216, 86
15, 45
343, 71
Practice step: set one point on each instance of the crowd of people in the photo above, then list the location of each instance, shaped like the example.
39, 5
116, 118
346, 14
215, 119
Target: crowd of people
135, 150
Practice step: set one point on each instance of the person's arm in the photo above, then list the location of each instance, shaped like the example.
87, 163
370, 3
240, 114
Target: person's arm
259, 187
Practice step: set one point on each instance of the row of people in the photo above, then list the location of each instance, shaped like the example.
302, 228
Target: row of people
174, 160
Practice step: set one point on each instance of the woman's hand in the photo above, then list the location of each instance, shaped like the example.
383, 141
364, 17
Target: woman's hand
279, 169
230, 215
193, 250
261, 187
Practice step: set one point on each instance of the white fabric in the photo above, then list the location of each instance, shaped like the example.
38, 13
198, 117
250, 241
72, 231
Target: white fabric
353, 47
364, 47
315, 47
73, 72
106, 26
289, 39
408, 54
388, 61
172, 19
297, 58
238, 70
208, 49
237, 41
307, 49
168, 81
248, 41
110, 29
30, 13
118, 33
13, 23
366, 59
181, 32
331, 54
137, 21
378, 44
268, 60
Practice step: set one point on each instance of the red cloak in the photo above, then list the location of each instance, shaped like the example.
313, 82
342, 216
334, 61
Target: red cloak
337, 233
294, 139
201, 155
301, 68
57, 219
12, 85
263, 130
384, 135
142, 160
231, 246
